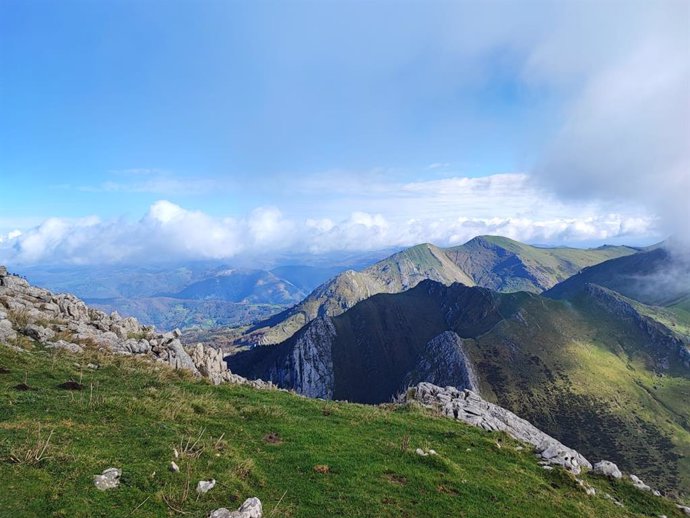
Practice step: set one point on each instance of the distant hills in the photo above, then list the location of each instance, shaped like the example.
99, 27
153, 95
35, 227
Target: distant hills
204, 294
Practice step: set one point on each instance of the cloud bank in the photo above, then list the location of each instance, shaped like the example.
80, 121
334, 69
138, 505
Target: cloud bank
445, 212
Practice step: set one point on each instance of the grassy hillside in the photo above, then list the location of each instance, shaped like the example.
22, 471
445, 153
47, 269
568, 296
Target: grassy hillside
503, 264
257, 443
586, 377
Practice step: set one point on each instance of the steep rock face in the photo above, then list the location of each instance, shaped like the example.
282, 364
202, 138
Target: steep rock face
662, 340
469, 407
444, 362
308, 369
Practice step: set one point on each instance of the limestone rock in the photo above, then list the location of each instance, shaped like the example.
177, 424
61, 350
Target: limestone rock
209, 362
204, 486
251, 508
607, 469
38, 333
109, 479
466, 406
684, 509
639, 484
444, 362
67, 346
7, 333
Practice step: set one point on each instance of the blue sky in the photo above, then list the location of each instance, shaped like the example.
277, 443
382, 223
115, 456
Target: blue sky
319, 112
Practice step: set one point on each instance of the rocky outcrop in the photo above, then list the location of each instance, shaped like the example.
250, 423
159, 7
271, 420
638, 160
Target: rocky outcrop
210, 364
661, 338
468, 407
62, 321
444, 362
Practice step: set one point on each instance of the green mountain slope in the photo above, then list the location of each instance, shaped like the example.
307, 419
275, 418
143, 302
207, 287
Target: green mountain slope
259, 443
391, 275
495, 262
598, 382
506, 265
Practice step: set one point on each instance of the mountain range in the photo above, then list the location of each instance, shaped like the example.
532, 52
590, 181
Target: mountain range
493, 262
596, 368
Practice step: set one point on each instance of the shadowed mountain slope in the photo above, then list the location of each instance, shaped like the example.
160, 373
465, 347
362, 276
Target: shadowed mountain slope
495, 262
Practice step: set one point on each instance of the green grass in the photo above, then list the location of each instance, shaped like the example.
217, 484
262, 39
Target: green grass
132, 414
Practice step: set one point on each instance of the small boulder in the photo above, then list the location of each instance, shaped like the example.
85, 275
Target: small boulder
174, 467
38, 333
204, 486
421, 452
639, 484
683, 509
109, 479
251, 508
6, 331
607, 469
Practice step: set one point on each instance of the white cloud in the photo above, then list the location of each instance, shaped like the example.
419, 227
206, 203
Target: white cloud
445, 212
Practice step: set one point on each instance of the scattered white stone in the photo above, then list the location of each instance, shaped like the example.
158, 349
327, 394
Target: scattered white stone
204, 486
608, 469
92, 366
588, 489
176, 453
639, 484
684, 509
421, 452
251, 508
432, 452
109, 479
174, 467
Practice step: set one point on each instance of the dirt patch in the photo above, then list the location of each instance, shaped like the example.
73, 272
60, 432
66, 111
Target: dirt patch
273, 438
394, 478
23, 387
446, 490
71, 385
4, 370
322, 468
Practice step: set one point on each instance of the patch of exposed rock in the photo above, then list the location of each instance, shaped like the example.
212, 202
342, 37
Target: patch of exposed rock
109, 479
468, 407
251, 508
62, 321
443, 363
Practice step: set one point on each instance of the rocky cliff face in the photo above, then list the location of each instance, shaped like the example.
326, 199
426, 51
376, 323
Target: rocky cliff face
444, 362
62, 321
308, 368
662, 340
